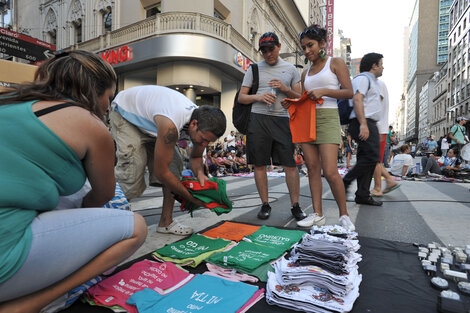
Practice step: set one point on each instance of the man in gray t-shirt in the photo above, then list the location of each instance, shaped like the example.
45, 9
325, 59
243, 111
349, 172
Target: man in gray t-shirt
268, 138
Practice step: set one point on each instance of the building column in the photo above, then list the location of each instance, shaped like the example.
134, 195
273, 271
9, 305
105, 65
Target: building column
190, 93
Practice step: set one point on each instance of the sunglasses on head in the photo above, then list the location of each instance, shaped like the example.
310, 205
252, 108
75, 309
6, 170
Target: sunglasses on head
309, 31
266, 49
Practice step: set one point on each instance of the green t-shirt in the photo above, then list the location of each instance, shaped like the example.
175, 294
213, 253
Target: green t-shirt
196, 248
459, 133
275, 237
246, 256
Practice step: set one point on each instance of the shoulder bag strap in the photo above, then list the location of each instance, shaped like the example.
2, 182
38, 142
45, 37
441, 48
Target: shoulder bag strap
254, 86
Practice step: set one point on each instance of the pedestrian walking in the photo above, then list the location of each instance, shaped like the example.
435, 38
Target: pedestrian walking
146, 123
385, 134
458, 133
268, 136
388, 143
363, 127
322, 80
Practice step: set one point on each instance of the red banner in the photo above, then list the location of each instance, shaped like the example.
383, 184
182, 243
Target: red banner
330, 7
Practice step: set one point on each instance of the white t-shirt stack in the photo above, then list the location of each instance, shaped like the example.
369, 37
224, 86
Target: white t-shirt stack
321, 274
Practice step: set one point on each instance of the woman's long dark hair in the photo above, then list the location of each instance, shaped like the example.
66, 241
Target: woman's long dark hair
77, 76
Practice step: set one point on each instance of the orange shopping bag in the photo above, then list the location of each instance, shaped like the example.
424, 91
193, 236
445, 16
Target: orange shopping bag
302, 119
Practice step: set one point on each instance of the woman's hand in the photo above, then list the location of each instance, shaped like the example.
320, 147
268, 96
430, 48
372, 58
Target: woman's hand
285, 104
316, 94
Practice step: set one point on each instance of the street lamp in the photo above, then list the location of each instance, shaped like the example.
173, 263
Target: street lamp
296, 53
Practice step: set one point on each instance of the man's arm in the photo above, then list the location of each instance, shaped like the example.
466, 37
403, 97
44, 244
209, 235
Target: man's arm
451, 134
294, 91
163, 155
195, 162
358, 101
245, 98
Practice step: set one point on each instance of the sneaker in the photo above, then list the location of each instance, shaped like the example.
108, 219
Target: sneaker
345, 221
297, 212
312, 219
265, 211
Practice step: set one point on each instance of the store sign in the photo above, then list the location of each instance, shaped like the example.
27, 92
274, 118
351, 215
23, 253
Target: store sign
118, 55
241, 61
330, 6
24, 47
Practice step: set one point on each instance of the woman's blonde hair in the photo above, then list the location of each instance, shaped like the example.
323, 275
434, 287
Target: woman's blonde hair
77, 76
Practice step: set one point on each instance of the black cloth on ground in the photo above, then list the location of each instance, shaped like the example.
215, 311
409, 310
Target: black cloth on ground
392, 281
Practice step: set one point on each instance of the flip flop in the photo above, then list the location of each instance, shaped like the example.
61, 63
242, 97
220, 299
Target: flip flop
387, 190
374, 195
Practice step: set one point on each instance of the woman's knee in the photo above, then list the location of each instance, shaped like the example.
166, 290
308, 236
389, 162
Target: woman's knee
140, 228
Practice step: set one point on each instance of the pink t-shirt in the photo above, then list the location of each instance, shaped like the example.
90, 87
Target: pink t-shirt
115, 290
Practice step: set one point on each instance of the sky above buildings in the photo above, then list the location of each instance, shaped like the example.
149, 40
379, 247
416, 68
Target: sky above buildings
378, 26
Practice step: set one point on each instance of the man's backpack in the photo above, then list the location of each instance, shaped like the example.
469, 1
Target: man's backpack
241, 112
345, 107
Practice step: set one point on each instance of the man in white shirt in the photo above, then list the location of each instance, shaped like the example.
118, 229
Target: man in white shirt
363, 127
231, 143
146, 123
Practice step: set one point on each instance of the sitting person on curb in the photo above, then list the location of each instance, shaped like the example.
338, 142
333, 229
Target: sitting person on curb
53, 138
440, 165
402, 162
209, 163
221, 166
146, 123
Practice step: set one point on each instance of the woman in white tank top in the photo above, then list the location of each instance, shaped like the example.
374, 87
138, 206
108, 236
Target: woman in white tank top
322, 80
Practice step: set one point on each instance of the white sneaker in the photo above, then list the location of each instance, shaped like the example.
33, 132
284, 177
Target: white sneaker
312, 219
346, 223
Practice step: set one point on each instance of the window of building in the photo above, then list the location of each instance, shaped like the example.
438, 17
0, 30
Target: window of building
77, 25
218, 15
464, 23
52, 37
107, 21
157, 9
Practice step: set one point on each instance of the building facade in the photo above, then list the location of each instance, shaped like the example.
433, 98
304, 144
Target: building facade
443, 31
421, 64
458, 62
425, 103
199, 47
437, 112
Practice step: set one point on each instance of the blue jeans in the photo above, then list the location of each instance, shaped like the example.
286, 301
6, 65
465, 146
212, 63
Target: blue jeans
63, 241
386, 155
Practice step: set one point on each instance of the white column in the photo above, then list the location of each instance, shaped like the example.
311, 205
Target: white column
190, 93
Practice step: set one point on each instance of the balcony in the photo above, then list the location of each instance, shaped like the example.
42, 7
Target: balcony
172, 23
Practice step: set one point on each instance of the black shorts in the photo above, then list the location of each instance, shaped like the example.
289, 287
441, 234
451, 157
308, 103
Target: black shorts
269, 137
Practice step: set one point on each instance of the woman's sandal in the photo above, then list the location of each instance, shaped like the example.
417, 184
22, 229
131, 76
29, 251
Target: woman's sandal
176, 229
387, 190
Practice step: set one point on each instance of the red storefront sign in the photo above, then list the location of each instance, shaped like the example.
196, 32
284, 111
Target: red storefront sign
118, 55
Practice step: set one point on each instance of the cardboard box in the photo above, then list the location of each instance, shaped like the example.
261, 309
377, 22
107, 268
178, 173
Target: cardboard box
12, 73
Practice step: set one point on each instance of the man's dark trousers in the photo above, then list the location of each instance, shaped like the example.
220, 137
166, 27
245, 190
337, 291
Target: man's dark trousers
368, 155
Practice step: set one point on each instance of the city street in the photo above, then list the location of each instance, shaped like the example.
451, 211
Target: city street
417, 212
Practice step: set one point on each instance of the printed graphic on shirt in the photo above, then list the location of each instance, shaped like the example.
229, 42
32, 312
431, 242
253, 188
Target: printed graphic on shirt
201, 294
192, 247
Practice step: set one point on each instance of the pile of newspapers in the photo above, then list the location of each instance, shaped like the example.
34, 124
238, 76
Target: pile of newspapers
321, 274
